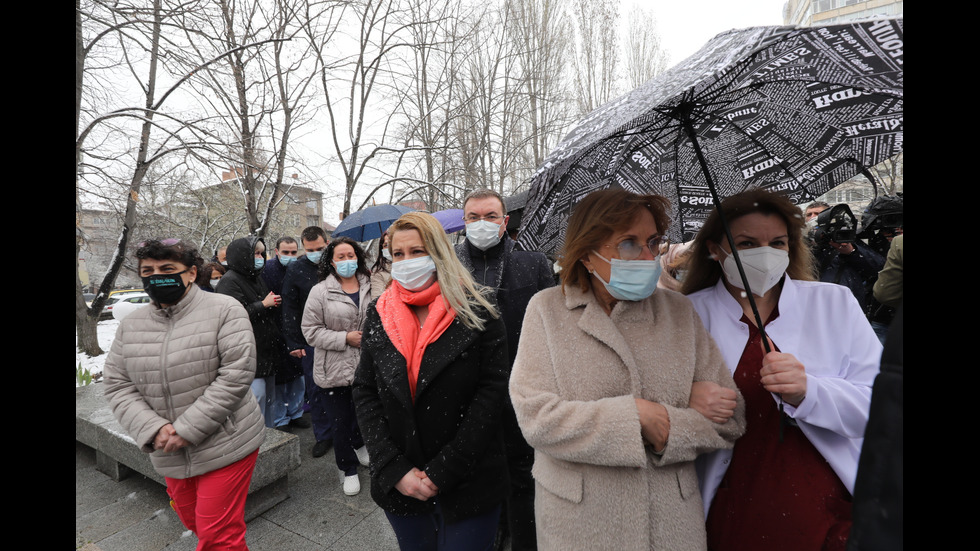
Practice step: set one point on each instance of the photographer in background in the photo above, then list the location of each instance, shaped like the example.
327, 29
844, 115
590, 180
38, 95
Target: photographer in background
883, 220
813, 209
841, 257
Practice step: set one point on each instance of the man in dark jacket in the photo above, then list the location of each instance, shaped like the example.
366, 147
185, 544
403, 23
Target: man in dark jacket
246, 258
290, 385
301, 276
516, 276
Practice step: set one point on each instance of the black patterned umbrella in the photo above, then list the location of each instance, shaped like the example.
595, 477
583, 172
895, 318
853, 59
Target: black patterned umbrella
796, 110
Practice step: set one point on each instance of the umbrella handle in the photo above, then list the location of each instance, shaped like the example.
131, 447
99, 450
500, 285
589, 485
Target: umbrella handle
689, 128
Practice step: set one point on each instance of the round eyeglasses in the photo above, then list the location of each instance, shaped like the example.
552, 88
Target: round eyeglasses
631, 249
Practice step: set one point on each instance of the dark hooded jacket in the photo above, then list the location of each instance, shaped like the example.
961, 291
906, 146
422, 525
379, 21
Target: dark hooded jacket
243, 283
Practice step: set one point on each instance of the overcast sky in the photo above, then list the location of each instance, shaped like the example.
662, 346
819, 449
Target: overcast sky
686, 25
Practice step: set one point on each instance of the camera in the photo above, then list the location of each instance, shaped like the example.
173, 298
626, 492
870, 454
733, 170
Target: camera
836, 224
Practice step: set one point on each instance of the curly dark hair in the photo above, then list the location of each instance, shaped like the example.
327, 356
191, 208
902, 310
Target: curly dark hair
177, 250
325, 268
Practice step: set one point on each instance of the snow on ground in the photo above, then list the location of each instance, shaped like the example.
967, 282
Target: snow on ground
107, 332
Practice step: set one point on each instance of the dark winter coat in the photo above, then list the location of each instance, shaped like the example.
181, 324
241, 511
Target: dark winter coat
450, 430
301, 276
515, 275
857, 271
243, 283
879, 490
273, 275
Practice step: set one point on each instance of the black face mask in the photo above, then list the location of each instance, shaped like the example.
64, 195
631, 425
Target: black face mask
165, 288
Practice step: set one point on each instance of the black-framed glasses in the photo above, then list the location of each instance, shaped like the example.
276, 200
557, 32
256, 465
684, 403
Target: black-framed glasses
631, 249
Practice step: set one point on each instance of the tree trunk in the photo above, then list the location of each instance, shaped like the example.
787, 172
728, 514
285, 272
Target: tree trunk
85, 325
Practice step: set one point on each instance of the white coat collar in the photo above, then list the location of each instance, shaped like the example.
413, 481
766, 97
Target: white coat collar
784, 330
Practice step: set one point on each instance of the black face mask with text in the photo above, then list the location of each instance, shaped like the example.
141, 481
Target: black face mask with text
165, 288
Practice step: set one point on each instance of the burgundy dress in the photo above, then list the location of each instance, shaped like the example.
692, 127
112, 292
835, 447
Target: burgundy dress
775, 495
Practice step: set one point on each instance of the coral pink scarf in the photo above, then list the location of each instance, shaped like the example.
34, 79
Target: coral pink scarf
402, 326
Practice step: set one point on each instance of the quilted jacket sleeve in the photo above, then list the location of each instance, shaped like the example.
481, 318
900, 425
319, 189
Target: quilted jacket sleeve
315, 322
236, 349
137, 418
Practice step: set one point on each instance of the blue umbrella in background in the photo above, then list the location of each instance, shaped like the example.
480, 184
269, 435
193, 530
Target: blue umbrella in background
369, 223
451, 219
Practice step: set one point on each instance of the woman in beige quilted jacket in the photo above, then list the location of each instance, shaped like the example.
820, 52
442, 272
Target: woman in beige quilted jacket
177, 378
332, 322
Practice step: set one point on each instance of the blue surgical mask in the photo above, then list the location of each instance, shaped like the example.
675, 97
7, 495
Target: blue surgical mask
259, 263
414, 274
631, 279
285, 260
314, 256
346, 268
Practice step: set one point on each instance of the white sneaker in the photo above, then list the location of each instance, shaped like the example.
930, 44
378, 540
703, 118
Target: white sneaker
362, 456
352, 484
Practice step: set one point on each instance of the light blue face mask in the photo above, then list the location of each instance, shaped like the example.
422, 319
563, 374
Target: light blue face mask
259, 263
285, 260
631, 279
346, 268
314, 256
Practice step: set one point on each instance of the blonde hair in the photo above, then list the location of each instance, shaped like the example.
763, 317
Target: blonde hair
459, 290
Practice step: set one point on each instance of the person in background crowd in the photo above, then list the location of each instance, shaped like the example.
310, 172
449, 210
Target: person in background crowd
246, 258
428, 394
290, 384
814, 209
332, 323
301, 276
601, 387
381, 271
851, 263
514, 277
177, 378
209, 275
788, 482
888, 289
221, 256
883, 219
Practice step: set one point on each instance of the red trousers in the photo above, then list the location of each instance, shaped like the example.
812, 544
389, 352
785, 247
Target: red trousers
212, 505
